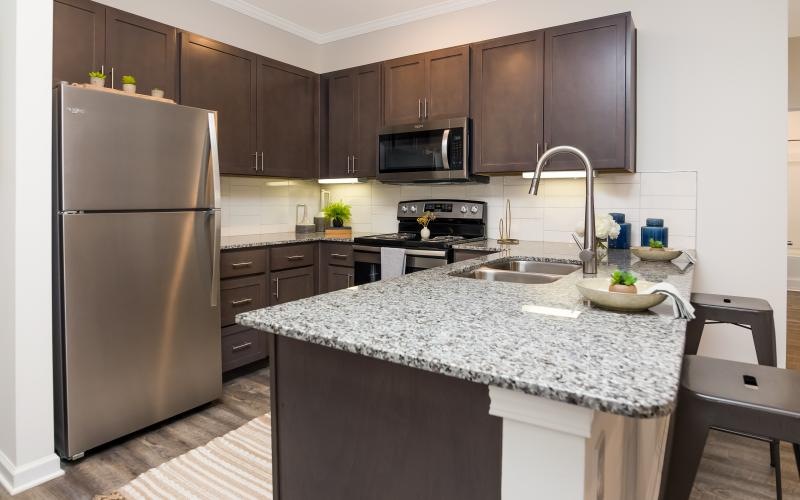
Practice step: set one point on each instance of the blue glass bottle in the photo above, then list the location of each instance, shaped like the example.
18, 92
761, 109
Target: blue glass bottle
655, 229
624, 238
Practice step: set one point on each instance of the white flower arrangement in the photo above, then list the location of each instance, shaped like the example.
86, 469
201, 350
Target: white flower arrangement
605, 227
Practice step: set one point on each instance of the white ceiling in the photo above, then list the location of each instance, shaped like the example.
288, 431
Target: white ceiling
330, 20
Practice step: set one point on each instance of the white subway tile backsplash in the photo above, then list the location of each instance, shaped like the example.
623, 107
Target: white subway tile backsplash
256, 205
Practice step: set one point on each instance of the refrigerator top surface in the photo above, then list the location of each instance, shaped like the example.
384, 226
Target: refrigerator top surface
123, 153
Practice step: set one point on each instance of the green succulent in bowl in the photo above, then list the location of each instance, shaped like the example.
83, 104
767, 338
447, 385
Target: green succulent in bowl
656, 244
623, 282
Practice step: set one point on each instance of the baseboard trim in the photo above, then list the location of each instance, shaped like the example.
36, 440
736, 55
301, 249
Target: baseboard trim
16, 479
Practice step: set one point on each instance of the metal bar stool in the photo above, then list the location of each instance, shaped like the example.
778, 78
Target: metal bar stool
741, 397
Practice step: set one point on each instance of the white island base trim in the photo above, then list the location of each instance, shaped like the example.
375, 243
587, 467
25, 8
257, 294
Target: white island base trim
560, 451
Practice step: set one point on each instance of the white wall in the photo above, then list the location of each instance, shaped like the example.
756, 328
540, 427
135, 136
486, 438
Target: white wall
26, 373
709, 100
206, 18
552, 215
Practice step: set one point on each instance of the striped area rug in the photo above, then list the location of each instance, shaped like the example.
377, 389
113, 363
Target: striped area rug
236, 466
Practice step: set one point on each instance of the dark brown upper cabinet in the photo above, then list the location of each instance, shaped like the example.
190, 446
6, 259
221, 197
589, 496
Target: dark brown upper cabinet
142, 48
287, 115
79, 34
223, 78
507, 85
432, 85
91, 37
590, 92
569, 85
354, 105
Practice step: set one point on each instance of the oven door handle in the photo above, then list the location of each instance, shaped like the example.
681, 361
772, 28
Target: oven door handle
409, 252
445, 145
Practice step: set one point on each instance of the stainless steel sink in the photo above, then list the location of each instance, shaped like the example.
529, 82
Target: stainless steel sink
532, 266
521, 271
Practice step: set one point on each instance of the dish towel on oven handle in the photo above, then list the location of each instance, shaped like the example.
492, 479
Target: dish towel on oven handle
681, 307
393, 262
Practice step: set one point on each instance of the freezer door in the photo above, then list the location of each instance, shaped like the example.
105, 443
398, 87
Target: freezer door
126, 153
141, 336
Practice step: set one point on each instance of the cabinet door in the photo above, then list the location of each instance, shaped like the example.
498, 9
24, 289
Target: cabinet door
404, 89
507, 103
78, 39
142, 48
587, 92
223, 78
447, 83
286, 119
341, 122
339, 278
291, 284
368, 119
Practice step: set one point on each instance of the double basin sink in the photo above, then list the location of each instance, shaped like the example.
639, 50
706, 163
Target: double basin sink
520, 271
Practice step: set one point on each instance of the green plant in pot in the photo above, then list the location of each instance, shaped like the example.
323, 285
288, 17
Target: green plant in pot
129, 84
623, 282
97, 79
656, 244
338, 213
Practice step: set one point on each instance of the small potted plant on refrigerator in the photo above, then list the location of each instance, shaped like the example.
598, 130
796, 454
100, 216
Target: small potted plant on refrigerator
97, 79
129, 84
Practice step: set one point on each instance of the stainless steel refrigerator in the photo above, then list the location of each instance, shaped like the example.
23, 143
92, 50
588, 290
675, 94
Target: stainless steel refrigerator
136, 258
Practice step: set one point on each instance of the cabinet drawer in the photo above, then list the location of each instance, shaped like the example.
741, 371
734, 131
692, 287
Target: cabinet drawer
241, 345
338, 254
291, 256
240, 295
243, 262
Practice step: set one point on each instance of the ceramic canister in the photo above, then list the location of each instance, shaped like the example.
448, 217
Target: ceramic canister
624, 238
655, 229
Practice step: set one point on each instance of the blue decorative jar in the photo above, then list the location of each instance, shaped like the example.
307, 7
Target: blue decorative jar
624, 239
655, 229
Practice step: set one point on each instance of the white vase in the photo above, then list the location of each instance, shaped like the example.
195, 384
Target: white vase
157, 93
129, 87
425, 233
97, 81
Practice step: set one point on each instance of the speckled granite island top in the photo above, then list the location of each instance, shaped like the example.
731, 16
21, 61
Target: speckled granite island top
487, 332
272, 239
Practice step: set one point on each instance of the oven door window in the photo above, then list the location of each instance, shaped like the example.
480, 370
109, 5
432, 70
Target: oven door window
421, 151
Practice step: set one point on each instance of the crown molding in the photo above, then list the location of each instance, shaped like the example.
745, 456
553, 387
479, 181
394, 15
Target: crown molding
263, 15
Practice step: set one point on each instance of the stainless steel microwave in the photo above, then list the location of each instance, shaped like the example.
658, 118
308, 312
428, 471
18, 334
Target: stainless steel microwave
434, 151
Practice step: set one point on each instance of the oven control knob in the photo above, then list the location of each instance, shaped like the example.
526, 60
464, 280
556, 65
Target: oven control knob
463, 209
413, 208
404, 209
474, 209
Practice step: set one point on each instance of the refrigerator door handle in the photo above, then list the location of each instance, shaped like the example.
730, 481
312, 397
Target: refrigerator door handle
215, 256
212, 137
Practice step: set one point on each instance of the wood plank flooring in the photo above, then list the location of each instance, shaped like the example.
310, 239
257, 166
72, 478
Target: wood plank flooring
106, 469
793, 331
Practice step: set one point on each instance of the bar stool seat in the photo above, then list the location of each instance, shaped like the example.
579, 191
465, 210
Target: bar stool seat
740, 397
746, 312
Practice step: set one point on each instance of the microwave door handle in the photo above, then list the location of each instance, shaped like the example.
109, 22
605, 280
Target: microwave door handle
445, 144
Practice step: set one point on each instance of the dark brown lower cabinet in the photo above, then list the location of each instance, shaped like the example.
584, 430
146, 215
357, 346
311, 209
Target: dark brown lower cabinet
338, 278
461, 255
291, 284
238, 295
241, 346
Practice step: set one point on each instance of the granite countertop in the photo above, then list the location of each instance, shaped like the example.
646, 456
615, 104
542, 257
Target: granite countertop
270, 239
503, 334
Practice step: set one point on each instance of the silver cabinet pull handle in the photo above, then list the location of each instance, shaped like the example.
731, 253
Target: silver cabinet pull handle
277, 288
349, 280
112, 77
348, 164
295, 257
241, 302
262, 161
256, 155
419, 108
338, 256
241, 346
239, 265
537, 152
354, 163
425, 113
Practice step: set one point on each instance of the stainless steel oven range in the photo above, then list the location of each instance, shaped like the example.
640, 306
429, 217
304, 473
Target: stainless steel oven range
457, 221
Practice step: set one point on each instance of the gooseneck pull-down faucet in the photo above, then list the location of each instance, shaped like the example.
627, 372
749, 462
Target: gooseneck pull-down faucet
588, 254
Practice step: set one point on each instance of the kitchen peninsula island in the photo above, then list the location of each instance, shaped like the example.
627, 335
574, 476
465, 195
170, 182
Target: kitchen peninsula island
436, 386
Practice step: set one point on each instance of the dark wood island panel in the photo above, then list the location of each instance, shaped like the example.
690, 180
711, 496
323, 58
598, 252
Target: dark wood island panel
348, 427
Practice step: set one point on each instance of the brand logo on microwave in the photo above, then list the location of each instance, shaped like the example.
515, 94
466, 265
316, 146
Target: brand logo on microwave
419, 125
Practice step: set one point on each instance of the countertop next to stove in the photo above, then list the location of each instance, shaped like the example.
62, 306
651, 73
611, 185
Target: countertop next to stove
489, 333
271, 239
